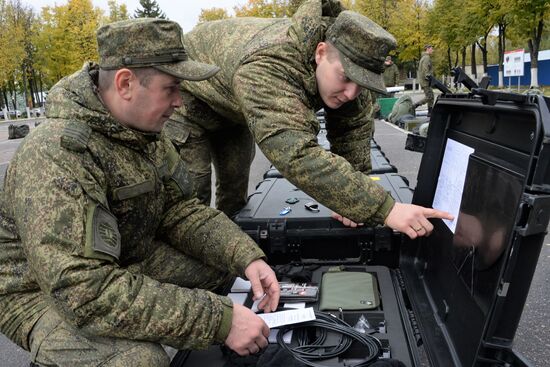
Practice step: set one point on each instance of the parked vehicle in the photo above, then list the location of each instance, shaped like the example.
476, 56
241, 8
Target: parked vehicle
11, 114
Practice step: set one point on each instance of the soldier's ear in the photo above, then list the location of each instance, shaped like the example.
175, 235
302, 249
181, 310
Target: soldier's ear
124, 83
321, 51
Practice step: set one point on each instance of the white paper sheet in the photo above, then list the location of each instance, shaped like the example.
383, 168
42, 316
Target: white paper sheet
241, 285
239, 298
450, 184
276, 319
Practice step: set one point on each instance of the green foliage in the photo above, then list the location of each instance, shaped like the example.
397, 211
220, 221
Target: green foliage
268, 8
410, 28
66, 38
380, 11
117, 12
149, 9
208, 15
12, 41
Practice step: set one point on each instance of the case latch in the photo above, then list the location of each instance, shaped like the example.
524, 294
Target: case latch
535, 214
277, 236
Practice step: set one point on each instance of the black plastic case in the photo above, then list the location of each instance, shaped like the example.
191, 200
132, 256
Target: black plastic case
467, 290
306, 236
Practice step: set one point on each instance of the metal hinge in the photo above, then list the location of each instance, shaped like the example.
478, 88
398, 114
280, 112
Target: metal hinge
535, 214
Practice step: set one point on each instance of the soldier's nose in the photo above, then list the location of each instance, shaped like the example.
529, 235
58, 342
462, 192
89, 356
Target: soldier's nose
352, 91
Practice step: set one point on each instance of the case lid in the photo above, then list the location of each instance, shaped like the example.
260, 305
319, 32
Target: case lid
487, 161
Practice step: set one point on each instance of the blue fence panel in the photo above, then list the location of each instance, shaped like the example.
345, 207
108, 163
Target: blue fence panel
543, 74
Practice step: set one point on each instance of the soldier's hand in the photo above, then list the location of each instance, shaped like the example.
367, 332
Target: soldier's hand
248, 333
413, 219
264, 285
345, 221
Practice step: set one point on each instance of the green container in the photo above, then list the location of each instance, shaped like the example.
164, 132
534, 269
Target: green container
386, 105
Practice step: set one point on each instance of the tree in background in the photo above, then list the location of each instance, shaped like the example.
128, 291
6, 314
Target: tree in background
527, 23
117, 12
208, 15
12, 50
66, 38
150, 9
380, 11
268, 8
478, 16
409, 25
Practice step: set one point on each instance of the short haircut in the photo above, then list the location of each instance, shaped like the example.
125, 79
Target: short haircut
332, 52
144, 76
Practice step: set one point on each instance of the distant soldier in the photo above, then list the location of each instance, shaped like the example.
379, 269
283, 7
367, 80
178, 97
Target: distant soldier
104, 255
425, 69
275, 73
391, 73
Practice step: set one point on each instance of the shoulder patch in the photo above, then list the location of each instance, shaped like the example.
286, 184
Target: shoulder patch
75, 137
102, 234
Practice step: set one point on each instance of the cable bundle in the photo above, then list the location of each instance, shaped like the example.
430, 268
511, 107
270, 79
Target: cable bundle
307, 351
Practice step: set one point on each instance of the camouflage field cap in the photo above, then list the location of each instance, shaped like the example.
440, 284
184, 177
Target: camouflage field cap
363, 47
149, 42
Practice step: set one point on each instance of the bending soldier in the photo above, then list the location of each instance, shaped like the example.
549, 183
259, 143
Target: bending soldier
275, 73
104, 254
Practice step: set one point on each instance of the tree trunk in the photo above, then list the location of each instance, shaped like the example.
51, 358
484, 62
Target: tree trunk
24, 87
501, 47
483, 49
449, 58
463, 58
474, 63
41, 95
5, 97
534, 44
13, 94
456, 59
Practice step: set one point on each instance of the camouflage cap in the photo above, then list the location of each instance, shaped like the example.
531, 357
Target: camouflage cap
363, 47
149, 42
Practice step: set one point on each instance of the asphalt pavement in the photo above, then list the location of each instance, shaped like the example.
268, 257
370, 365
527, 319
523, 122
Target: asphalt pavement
533, 334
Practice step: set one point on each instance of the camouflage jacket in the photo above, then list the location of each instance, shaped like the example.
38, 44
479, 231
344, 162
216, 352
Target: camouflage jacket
391, 75
85, 201
267, 80
424, 69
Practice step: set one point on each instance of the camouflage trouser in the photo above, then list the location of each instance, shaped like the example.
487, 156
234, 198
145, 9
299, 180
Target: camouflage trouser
428, 97
53, 342
226, 145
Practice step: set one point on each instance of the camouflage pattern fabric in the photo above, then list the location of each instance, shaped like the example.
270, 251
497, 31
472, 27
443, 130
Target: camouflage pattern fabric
391, 75
267, 83
54, 342
424, 70
97, 224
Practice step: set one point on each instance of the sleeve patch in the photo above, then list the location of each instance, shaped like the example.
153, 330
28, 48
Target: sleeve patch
102, 234
182, 179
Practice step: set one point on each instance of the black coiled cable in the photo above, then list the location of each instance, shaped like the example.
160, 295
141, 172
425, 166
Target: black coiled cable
307, 351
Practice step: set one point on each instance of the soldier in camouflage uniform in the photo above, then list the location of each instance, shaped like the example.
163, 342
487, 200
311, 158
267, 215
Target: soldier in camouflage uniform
104, 254
425, 70
391, 73
275, 73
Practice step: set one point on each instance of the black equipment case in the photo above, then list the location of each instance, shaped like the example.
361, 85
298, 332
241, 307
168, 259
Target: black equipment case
467, 290
456, 298
307, 233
